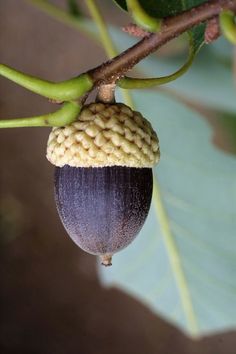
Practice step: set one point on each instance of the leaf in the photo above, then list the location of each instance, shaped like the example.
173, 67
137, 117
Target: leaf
198, 190
163, 8
197, 34
121, 4
183, 263
223, 125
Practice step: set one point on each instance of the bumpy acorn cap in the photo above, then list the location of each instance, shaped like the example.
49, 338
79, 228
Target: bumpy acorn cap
105, 135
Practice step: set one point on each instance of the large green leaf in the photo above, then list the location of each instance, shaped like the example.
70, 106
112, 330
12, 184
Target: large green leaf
183, 263
163, 8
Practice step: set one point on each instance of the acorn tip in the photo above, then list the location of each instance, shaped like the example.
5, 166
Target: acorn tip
106, 260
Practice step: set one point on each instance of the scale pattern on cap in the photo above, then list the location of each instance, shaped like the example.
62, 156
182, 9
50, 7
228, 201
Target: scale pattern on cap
105, 135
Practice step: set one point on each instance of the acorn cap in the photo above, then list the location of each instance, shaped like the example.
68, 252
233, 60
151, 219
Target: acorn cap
105, 135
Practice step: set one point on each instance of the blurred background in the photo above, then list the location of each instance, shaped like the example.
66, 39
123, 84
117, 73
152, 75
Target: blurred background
51, 297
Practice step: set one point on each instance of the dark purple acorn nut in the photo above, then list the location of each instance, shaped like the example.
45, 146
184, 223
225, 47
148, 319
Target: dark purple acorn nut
103, 208
103, 178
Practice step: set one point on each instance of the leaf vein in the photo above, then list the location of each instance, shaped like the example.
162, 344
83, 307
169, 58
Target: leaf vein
175, 261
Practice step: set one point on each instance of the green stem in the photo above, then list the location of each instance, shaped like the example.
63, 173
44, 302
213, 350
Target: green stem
106, 40
138, 83
142, 18
62, 91
104, 34
63, 116
228, 25
64, 17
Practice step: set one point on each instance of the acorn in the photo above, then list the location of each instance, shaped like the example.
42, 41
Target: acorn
103, 176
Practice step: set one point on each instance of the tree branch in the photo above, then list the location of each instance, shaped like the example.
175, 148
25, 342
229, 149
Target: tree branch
172, 27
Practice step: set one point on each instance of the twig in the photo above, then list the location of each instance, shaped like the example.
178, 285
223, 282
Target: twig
212, 31
135, 30
172, 27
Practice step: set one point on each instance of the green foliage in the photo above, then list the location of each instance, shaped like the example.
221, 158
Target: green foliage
141, 17
228, 26
62, 91
197, 184
67, 114
163, 8
182, 265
